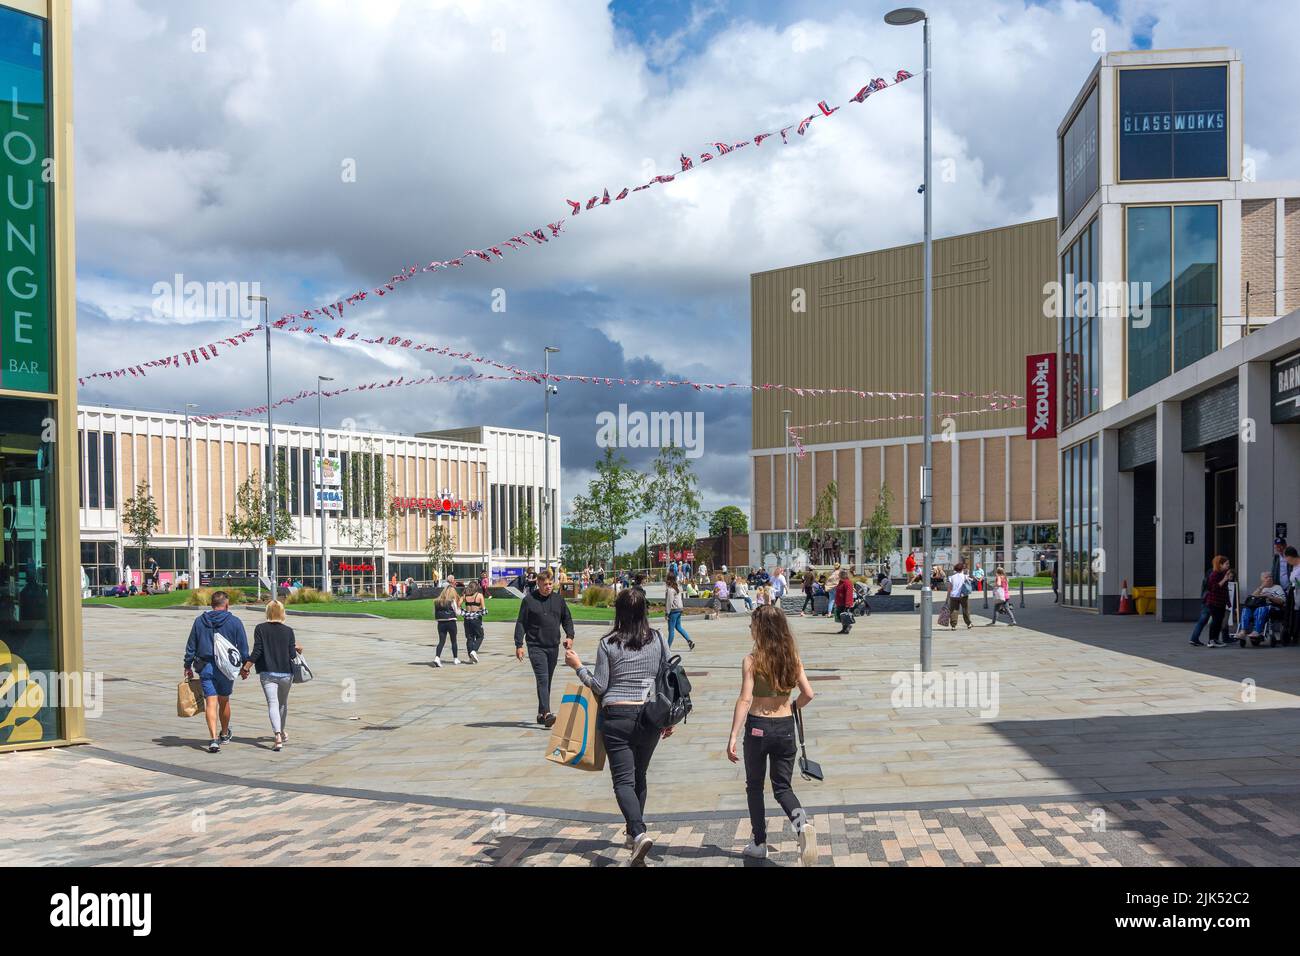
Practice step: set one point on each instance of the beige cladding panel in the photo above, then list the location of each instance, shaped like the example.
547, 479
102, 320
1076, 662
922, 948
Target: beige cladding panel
1022, 475
175, 477
780, 482
204, 478
995, 476
846, 484
941, 479
233, 466
1258, 251
895, 479
1292, 251
988, 316
763, 493
804, 487
127, 467
825, 475
1049, 457
968, 452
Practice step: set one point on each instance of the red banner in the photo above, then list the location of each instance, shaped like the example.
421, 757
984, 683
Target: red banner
1040, 395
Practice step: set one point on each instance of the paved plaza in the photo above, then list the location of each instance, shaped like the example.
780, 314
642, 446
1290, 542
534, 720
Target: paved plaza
1110, 741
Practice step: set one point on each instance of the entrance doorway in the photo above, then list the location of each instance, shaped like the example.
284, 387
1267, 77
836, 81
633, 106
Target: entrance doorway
1144, 526
1221, 500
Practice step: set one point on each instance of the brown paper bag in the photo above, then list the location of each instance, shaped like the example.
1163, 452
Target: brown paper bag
189, 697
574, 740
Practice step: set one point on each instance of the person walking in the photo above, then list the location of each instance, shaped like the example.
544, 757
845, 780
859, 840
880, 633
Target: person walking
1214, 602
543, 617
959, 587
770, 672
779, 586
474, 607
200, 655
628, 659
446, 609
1001, 597
274, 647
808, 602
673, 607
843, 598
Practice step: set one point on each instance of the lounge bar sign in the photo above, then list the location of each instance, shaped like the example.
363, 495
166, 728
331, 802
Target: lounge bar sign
443, 506
1040, 395
26, 173
1286, 390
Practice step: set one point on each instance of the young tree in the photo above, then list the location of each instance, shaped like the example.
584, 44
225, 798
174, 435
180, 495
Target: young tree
250, 522
524, 538
584, 536
439, 549
728, 517
370, 517
878, 533
614, 496
823, 518
140, 519
672, 497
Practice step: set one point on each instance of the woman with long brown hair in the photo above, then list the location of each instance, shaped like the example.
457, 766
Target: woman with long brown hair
445, 611
1214, 602
769, 674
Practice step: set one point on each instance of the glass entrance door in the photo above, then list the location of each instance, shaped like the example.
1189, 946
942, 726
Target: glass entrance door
1225, 513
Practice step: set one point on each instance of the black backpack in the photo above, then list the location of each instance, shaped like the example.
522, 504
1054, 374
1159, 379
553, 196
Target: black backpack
670, 703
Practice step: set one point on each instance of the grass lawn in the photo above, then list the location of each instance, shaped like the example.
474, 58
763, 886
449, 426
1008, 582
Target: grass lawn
142, 601
498, 609
1035, 582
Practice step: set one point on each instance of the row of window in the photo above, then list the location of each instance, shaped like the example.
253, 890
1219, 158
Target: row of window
1080, 534
96, 469
1042, 536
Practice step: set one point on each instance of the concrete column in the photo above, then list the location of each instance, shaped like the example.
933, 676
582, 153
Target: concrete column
1266, 468
1115, 517
1180, 508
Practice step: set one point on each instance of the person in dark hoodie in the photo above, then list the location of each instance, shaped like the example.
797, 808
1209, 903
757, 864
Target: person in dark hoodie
200, 657
543, 615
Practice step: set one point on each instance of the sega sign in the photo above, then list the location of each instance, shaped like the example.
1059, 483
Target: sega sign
445, 506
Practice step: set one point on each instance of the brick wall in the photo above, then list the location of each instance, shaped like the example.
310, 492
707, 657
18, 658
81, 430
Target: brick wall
1292, 272
1258, 249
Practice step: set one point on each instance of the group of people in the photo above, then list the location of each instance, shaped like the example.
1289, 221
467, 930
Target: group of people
1271, 611
960, 584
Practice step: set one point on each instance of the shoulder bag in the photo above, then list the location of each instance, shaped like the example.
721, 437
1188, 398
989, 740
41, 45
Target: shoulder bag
808, 769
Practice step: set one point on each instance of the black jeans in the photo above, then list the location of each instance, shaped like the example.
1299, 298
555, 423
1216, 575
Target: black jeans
628, 748
543, 660
473, 634
807, 602
769, 739
447, 629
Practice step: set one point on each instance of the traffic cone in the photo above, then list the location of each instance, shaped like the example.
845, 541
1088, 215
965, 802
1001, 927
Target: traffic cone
1125, 602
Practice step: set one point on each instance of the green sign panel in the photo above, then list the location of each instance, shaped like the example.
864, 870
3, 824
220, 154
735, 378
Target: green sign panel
26, 193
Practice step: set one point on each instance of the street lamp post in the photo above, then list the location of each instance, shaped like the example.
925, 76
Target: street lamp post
549, 390
786, 413
906, 16
192, 570
270, 437
320, 484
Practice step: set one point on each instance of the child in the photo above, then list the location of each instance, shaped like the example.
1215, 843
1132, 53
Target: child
1001, 597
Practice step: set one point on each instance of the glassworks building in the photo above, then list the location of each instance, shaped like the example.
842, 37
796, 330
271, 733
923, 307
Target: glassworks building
1180, 434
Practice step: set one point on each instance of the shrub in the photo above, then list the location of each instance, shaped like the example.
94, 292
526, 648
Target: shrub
309, 596
597, 596
202, 597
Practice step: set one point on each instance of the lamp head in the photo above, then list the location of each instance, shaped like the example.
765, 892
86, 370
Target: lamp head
905, 16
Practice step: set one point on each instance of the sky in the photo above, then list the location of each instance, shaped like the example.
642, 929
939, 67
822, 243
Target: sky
312, 148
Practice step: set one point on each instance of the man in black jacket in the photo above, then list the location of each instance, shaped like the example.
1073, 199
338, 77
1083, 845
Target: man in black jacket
543, 617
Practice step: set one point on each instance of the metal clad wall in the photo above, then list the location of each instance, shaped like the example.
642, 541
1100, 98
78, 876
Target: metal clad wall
1137, 444
1210, 416
862, 330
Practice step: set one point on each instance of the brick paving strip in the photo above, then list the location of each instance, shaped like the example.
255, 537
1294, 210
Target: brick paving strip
110, 813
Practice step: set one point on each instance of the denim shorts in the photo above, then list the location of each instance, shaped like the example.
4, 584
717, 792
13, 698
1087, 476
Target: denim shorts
215, 683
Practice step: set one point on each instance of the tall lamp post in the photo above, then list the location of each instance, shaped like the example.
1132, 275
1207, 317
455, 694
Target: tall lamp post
546, 461
320, 484
786, 413
270, 437
906, 16
192, 570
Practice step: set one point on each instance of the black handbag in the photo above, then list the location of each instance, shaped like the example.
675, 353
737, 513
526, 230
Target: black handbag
808, 769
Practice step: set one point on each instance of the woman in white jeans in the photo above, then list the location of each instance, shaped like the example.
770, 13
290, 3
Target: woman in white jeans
274, 648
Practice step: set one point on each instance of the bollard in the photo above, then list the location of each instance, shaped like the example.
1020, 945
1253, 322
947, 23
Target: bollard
1022, 592
984, 586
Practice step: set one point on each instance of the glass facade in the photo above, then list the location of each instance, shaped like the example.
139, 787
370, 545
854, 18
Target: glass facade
1079, 171
29, 646
1080, 380
1081, 538
1173, 123
97, 466
100, 564
1172, 269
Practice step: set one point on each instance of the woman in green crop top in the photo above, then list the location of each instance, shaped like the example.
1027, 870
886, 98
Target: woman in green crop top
769, 674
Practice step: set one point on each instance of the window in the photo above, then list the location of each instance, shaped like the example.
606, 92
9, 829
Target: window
1028, 535
1080, 534
29, 564
939, 537
99, 561
1173, 123
110, 466
1172, 268
983, 536
1079, 177
1079, 381
92, 467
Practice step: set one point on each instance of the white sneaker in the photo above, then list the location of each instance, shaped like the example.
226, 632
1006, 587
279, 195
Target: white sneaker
473, 655
455, 660
640, 847
755, 851
808, 845
437, 662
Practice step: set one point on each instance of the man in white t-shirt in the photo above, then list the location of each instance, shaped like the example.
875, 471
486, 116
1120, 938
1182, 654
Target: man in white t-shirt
959, 588
779, 585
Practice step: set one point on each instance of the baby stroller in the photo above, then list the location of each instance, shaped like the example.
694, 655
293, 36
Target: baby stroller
861, 606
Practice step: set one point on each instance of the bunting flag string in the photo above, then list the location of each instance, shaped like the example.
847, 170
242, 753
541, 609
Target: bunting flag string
195, 356
722, 148
796, 430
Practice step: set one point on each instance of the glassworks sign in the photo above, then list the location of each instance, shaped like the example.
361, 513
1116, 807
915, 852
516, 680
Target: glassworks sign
1173, 123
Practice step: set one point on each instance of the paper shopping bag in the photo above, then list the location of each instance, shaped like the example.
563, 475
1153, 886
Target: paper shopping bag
574, 740
189, 697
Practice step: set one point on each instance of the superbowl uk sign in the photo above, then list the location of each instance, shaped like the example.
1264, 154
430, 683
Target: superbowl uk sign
26, 172
440, 507
1040, 395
